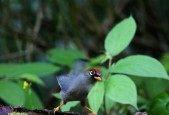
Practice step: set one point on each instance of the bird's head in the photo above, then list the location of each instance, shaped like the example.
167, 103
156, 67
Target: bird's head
95, 73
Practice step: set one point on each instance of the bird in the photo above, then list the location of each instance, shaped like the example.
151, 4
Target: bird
76, 86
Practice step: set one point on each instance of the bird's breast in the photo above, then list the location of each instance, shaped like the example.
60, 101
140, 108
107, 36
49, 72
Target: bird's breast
78, 89
74, 95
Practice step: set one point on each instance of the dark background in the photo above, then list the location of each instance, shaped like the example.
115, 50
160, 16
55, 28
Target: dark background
81, 24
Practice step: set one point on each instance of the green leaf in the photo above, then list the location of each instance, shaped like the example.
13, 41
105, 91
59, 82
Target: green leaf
12, 93
64, 57
120, 36
37, 68
32, 100
140, 65
96, 95
69, 105
98, 60
122, 89
32, 78
109, 104
160, 105
104, 73
57, 95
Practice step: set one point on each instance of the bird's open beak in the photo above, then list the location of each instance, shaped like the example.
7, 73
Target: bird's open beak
98, 78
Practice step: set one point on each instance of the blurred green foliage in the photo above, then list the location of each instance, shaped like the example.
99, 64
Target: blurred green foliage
30, 31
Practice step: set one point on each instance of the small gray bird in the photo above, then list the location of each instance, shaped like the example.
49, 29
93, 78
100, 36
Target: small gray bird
76, 86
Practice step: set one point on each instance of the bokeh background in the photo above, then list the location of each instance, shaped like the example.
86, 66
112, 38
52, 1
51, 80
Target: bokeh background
30, 28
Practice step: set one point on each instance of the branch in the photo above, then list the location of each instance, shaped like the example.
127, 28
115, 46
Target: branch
4, 110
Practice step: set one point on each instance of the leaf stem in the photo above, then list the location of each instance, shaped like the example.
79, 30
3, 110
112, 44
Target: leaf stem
104, 105
110, 61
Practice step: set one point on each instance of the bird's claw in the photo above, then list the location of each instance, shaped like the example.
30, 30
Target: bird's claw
93, 113
56, 109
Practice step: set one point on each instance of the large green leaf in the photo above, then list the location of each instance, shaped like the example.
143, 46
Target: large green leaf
140, 65
32, 100
96, 95
109, 103
69, 105
39, 69
64, 57
122, 89
12, 93
32, 78
120, 36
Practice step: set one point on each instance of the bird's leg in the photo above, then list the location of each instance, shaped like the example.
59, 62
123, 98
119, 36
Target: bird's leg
58, 107
86, 107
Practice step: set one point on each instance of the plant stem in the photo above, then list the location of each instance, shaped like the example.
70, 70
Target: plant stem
110, 62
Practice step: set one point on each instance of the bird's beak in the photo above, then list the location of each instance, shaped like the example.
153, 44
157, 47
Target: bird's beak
98, 78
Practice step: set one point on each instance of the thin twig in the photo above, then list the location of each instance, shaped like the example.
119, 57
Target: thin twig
30, 46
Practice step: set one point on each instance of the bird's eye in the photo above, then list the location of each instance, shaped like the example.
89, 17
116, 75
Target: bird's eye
91, 72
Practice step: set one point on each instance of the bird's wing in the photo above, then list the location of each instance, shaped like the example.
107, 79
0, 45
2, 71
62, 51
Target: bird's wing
64, 82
